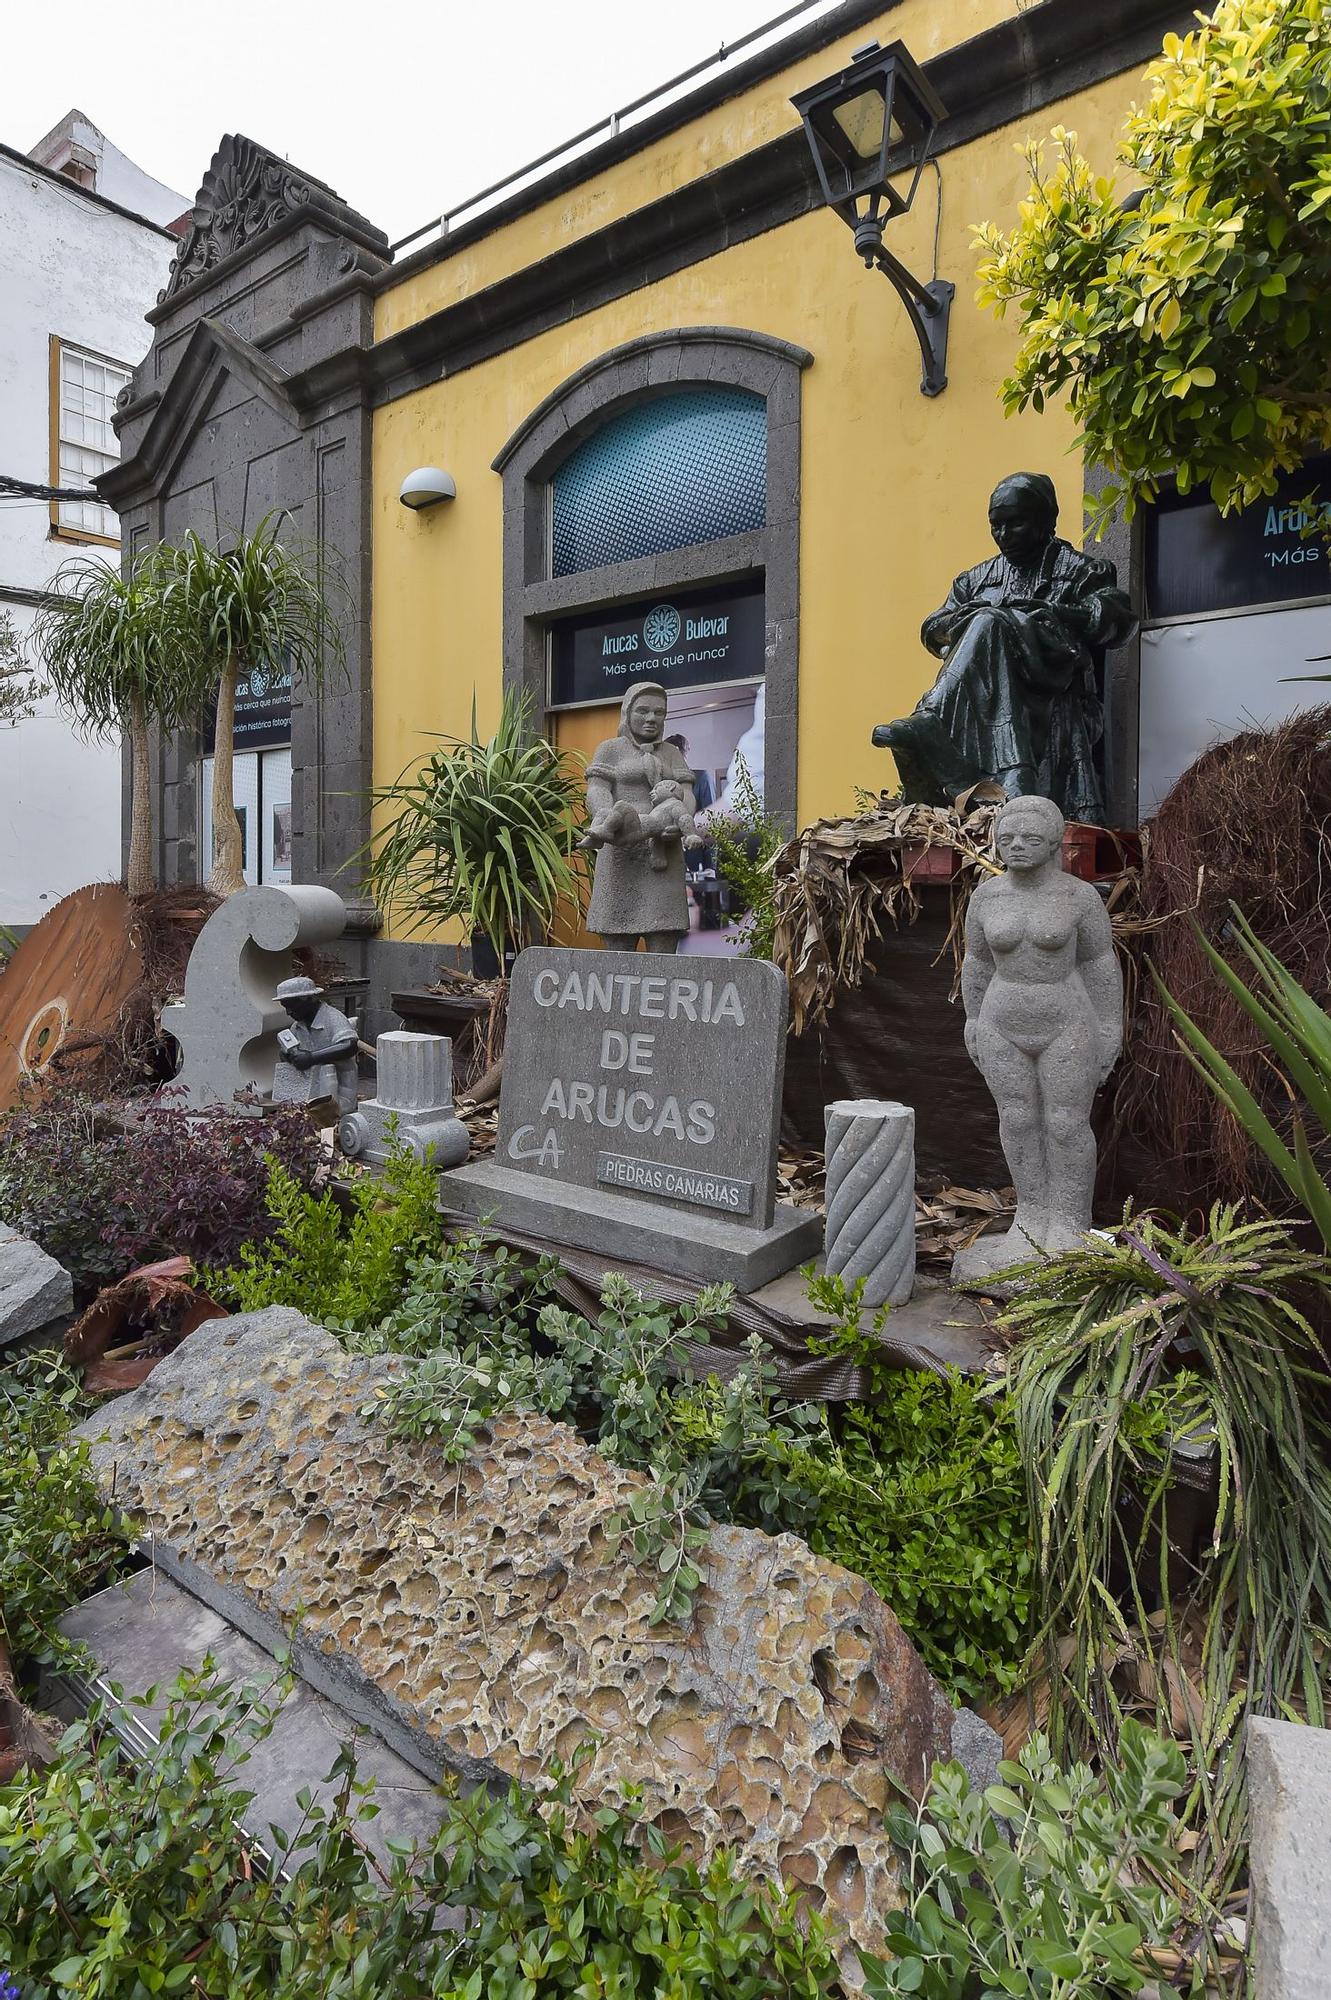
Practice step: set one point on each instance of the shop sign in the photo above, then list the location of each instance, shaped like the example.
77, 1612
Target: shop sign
263, 711
1198, 560
694, 639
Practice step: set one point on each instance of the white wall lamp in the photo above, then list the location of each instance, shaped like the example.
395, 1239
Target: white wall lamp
426, 487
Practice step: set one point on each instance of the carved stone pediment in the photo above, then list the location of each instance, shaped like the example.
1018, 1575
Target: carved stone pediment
248, 191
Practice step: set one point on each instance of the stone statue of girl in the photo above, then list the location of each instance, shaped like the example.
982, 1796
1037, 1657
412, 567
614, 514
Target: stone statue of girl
639, 795
1044, 1024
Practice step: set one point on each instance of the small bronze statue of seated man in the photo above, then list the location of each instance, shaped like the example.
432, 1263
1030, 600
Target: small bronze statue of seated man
316, 1055
1020, 638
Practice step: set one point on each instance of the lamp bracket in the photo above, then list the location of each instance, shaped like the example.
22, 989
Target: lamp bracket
928, 307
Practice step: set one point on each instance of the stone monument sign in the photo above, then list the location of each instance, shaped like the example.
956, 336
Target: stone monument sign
639, 1115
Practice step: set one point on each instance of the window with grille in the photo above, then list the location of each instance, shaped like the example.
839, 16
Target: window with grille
683, 468
84, 442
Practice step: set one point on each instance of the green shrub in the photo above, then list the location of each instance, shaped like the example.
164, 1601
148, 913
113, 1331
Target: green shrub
926, 1499
923, 1495
1051, 1885
748, 839
119, 1883
341, 1271
472, 1293
57, 1539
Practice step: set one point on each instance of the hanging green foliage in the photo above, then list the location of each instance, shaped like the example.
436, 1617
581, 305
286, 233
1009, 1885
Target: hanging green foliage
1187, 322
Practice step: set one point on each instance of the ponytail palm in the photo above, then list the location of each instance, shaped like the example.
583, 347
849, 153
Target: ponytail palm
100, 641
230, 611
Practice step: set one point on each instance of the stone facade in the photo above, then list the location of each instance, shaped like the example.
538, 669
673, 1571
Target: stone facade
250, 402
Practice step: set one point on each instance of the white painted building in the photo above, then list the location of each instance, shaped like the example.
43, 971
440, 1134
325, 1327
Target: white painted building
84, 251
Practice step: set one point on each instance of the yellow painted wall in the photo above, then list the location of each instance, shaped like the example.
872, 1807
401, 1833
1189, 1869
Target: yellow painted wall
723, 134
894, 484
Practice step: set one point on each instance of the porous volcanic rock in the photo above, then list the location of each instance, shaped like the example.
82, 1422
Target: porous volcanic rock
478, 1613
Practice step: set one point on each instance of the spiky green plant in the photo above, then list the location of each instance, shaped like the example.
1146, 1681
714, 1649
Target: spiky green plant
264, 599
1299, 1034
483, 833
1151, 1343
101, 643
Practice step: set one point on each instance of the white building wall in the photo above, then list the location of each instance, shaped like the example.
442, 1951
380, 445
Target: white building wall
73, 267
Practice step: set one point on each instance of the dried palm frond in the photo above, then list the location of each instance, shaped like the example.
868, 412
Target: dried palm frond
841, 881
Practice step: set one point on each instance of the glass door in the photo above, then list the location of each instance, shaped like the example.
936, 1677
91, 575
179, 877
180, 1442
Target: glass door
275, 815
245, 787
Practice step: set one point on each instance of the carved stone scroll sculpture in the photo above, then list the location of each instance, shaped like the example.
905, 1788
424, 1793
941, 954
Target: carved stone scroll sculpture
415, 1087
1044, 1024
639, 791
1022, 639
228, 1022
870, 1232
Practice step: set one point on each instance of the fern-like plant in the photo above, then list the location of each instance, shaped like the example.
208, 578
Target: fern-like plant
1150, 1344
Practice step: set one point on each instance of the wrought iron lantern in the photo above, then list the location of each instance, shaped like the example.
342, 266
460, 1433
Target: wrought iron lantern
871, 130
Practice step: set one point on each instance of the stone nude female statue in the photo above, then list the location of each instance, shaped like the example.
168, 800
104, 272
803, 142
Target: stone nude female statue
638, 793
1020, 638
1044, 1024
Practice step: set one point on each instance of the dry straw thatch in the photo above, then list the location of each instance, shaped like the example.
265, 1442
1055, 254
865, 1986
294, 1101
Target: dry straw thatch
1248, 824
841, 883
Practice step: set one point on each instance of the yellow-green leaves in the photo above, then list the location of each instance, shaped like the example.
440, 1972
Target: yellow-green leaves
1187, 329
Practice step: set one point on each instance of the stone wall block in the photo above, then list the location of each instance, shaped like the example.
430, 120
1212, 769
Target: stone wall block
1289, 1775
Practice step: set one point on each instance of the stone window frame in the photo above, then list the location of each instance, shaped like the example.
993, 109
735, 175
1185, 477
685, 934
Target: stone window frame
650, 366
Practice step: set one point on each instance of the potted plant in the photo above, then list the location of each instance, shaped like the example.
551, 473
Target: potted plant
483, 833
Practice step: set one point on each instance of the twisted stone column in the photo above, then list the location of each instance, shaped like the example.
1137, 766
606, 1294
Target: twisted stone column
870, 1231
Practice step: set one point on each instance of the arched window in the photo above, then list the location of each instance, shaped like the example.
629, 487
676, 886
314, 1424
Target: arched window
662, 478
665, 474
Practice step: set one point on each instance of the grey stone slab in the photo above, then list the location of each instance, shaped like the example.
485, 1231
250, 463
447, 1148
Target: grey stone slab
35, 1291
1289, 1774
145, 1632
702, 1246
640, 1056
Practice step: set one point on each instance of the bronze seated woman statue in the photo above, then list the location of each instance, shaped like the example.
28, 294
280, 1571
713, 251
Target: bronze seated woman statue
1020, 637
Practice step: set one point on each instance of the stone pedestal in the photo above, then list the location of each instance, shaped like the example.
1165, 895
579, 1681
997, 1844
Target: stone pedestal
415, 1087
870, 1232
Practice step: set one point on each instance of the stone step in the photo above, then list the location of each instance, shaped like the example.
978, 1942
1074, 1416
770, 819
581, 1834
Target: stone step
142, 1633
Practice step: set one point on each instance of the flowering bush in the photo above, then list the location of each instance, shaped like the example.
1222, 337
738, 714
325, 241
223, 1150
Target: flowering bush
103, 1189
